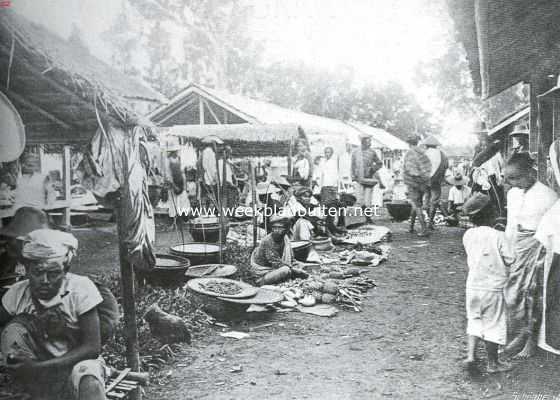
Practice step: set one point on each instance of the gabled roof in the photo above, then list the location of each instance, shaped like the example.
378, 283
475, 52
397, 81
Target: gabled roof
55, 85
263, 113
384, 138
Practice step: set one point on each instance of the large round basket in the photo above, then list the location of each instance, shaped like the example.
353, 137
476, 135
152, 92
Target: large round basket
198, 252
301, 249
218, 307
211, 271
168, 272
399, 211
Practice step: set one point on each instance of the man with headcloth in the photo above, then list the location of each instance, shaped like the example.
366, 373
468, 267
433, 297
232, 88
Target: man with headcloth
51, 338
528, 200
365, 164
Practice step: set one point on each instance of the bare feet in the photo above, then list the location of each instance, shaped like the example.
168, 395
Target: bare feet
498, 366
528, 351
469, 365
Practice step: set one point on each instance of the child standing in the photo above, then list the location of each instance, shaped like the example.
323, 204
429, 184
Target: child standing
488, 255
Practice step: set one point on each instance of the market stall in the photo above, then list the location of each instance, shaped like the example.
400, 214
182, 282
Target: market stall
65, 96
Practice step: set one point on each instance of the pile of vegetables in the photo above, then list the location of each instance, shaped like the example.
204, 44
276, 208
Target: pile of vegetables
316, 290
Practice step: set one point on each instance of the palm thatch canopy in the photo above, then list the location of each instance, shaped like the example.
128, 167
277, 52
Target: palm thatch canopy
60, 90
197, 111
507, 41
245, 139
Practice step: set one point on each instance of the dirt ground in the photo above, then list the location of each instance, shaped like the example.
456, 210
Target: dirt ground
406, 344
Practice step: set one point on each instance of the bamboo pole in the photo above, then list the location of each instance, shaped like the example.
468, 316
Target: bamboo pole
66, 174
218, 197
290, 155
127, 284
254, 199
223, 220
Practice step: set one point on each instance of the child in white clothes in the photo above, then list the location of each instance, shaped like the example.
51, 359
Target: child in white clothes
488, 257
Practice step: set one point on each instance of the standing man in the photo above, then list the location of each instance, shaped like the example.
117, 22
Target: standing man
329, 179
439, 165
365, 164
528, 200
345, 168
416, 176
208, 170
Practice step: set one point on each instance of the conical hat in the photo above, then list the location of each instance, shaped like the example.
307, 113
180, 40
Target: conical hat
12, 131
431, 141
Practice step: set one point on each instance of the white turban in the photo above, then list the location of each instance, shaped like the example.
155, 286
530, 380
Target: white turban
49, 245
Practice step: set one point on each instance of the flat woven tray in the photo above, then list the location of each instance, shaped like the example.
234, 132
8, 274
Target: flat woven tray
197, 285
263, 296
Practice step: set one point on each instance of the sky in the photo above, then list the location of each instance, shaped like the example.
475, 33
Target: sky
380, 40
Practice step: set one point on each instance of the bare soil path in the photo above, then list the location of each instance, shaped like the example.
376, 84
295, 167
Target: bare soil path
406, 344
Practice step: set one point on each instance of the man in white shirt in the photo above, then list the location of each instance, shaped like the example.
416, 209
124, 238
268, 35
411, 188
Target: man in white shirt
528, 200
329, 175
345, 169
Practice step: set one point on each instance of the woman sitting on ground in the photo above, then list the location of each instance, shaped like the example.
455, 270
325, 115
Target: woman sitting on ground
274, 257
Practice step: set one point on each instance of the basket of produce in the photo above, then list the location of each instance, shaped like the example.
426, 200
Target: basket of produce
211, 271
211, 295
399, 210
301, 249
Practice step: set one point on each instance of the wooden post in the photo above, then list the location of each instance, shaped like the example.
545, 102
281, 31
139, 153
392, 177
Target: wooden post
218, 197
223, 219
66, 177
540, 121
127, 285
254, 199
290, 155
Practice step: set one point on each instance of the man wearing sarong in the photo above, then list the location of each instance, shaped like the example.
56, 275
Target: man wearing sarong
416, 176
528, 200
274, 260
439, 164
51, 338
365, 164
548, 233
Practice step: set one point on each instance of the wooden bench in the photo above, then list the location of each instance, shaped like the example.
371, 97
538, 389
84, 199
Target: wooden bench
122, 383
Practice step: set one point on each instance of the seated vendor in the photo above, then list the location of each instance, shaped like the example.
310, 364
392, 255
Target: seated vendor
306, 215
51, 335
274, 257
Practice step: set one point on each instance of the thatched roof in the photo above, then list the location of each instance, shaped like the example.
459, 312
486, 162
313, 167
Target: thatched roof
57, 86
244, 139
507, 40
241, 109
258, 121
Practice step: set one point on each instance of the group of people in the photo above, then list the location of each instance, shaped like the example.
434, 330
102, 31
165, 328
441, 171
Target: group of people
513, 284
301, 215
